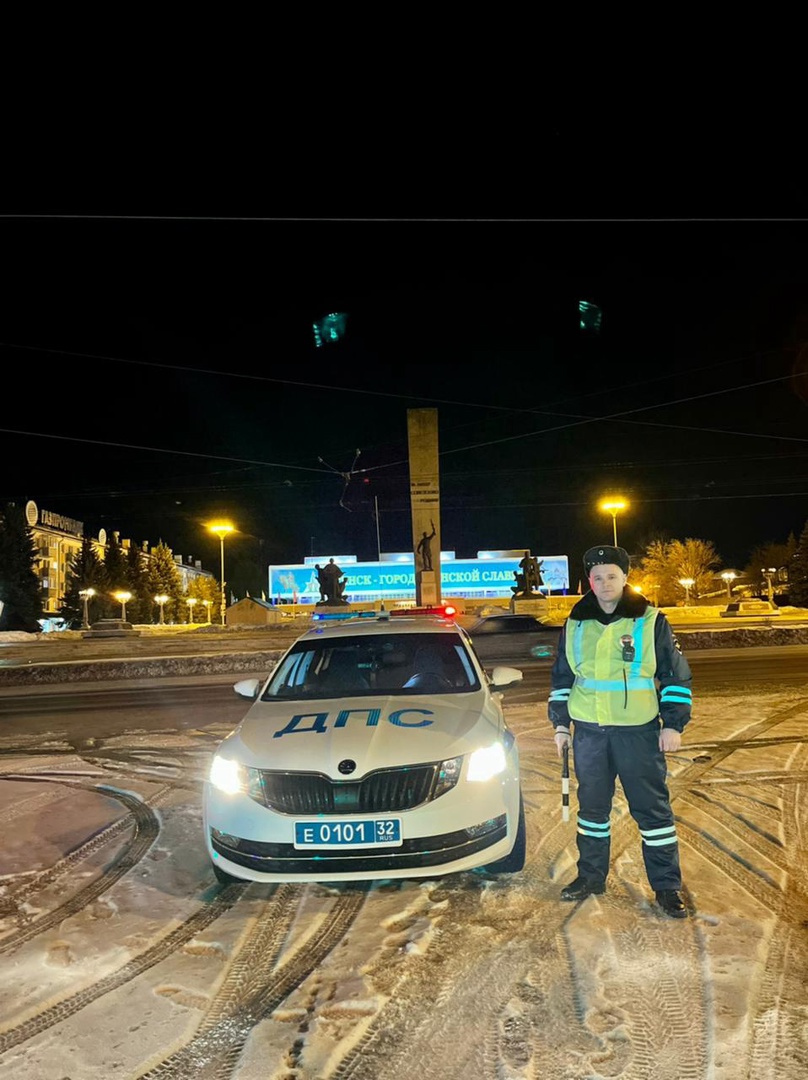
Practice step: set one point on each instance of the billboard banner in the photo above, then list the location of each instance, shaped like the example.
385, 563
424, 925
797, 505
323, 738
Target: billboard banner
296, 583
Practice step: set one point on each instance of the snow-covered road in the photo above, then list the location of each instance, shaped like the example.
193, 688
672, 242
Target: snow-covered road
121, 957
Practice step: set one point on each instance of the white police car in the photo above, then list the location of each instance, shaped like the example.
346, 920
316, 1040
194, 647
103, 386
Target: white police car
375, 749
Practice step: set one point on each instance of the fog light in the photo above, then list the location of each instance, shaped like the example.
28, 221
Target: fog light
225, 839
484, 827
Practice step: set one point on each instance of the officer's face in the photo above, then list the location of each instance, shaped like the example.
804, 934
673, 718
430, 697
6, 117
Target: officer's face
607, 583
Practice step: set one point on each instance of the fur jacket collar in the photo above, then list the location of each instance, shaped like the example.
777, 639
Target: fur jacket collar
632, 605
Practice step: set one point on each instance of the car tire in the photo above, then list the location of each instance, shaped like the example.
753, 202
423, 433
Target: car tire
222, 876
515, 861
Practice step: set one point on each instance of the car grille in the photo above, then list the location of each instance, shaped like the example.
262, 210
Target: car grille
381, 792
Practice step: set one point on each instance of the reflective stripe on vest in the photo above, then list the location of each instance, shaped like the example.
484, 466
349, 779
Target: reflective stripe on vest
607, 689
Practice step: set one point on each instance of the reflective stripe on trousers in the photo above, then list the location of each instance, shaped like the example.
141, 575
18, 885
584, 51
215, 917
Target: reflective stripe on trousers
632, 754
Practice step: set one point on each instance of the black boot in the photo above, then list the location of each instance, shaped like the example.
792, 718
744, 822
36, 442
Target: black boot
581, 888
671, 903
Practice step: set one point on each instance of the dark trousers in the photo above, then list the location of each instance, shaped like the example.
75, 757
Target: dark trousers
632, 754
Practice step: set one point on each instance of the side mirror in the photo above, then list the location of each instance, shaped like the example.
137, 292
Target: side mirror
505, 676
248, 688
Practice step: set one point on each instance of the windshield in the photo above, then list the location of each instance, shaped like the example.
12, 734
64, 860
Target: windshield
383, 664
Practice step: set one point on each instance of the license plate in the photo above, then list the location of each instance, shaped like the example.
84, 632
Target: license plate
348, 833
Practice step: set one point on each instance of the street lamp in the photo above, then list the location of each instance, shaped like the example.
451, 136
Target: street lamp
207, 604
162, 600
122, 597
613, 506
687, 584
729, 576
85, 595
222, 529
190, 602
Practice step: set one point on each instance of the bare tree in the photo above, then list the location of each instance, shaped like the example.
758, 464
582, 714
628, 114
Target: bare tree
665, 563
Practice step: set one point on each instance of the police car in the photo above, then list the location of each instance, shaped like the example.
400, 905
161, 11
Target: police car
377, 748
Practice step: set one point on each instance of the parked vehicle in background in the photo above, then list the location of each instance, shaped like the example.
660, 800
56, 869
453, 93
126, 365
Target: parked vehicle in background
377, 748
755, 608
513, 637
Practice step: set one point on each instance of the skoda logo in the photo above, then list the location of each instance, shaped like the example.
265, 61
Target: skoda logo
347, 766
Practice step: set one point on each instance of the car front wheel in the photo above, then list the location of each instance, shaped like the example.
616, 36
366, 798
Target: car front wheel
515, 860
222, 876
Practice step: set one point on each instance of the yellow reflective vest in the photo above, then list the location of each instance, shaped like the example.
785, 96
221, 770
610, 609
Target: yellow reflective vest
609, 689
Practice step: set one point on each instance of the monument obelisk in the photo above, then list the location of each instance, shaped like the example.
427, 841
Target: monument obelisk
422, 436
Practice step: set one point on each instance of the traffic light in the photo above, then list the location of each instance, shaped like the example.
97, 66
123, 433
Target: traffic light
589, 317
330, 328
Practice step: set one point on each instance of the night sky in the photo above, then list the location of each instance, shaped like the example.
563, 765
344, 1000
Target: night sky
164, 372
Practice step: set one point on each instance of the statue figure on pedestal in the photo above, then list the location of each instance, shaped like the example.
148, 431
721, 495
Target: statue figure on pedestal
332, 583
321, 581
529, 581
424, 548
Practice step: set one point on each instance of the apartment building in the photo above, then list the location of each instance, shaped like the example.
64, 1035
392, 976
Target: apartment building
58, 538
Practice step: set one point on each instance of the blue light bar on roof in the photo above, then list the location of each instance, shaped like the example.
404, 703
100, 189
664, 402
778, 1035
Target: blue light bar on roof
321, 616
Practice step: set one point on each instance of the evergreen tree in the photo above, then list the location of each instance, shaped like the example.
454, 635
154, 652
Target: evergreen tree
798, 572
139, 608
163, 579
20, 590
117, 576
86, 571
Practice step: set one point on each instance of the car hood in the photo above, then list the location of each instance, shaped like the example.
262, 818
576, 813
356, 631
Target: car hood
374, 732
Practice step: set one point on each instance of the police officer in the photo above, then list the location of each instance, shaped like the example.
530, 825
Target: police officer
622, 680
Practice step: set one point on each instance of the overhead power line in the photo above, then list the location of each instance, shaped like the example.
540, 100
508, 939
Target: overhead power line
160, 450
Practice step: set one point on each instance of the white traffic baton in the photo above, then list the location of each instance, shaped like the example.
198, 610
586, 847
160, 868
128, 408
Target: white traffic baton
565, 783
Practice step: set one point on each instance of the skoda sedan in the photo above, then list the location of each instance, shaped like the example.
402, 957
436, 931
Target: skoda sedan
375, 749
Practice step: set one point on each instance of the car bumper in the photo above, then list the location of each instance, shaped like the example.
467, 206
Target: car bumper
459, 831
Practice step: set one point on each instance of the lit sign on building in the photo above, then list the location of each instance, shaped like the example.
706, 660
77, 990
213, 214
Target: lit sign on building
57, 521
46, 518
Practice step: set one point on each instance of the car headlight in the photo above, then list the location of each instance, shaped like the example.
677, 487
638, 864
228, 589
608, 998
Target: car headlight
230, 777
226, 775
486, 762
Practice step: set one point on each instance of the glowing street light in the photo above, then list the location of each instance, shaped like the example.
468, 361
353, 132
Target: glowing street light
190, 602
122, 597
613, 506
162, 600
687, 584
85, 595
729, 576
222, 529
207, 604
